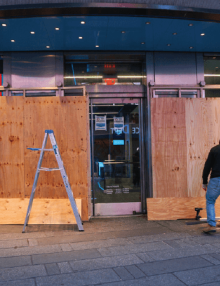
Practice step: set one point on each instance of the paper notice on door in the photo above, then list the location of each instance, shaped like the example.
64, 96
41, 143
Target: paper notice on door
118, 122
100, 122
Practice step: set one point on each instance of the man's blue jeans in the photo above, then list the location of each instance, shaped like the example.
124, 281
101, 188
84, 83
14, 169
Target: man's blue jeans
212, 193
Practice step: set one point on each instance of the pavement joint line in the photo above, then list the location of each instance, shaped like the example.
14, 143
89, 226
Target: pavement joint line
179, 279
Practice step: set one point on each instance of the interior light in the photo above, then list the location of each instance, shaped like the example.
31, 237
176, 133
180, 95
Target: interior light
168, 45
47, 47
174, 34
203, 34
191, 48
80, 38
82, 22
190, 25
57, 29
216, 67
86, 76
211, 75
147, 23
131, 76
97, 46
142, 43
123, 32
214, 58
4, 25
32, 32
12, 41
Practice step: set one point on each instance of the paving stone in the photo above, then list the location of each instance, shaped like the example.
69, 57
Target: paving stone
100, 243
134, 248
159, 237
15, 261
211, 259
52, 269
145, 257
199, 276
135, 271
158, 280
23, 272
32, 242
77, 279
105, 262
64, 267
206, 239
177, 243
26, 282
29, 250
211, 284
66, 247
65, 256
123, 273
13, 243
182, 252
160, 267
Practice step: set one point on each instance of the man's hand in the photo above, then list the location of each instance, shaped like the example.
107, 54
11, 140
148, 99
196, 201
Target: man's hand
204, 186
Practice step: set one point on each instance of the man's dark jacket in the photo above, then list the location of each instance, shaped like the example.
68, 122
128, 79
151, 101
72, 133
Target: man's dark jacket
212, 163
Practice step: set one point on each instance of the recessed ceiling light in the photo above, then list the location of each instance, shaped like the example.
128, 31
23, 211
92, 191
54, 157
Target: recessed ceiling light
203, 34
4, 25
57, 29
147, 23
80, 38
191, 48
32, 32
123, 32
190, 25
12, 41
168, 45
47, 47
82, 22
174, 34
97, 46
214, 58
142, 43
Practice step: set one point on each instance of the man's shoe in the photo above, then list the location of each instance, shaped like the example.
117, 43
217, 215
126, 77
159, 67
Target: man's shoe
218, 223
209, 229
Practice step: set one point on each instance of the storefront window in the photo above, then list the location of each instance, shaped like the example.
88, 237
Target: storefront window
212, 70
104, 69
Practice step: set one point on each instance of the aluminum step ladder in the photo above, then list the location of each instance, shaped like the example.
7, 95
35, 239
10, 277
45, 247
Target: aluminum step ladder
63, 174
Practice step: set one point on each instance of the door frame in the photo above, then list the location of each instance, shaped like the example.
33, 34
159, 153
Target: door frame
143, 161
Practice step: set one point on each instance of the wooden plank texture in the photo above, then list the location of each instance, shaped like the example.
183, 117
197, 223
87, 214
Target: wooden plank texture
11, 147
177, 208
169, 157
44, 211
68, 117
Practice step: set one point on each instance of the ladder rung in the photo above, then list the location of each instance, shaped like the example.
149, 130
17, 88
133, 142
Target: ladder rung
37, 149
49, 169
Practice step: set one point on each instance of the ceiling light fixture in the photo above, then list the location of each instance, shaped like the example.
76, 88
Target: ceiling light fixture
12, 41
190, 25
147, 23
80, 38
57, 29
191, 48
142, 43
32, 32
4, 25
97, 46
216, 67
123, 32
214, 58
47, 47
82, 22
174, 34
168, 45
203, 34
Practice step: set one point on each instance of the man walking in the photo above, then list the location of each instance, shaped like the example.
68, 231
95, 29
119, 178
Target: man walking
213, 188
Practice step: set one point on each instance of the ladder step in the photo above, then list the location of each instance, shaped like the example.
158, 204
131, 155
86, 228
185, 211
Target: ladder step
49, 169
37, 149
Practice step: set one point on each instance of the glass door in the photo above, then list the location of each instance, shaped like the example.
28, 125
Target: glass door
115, 130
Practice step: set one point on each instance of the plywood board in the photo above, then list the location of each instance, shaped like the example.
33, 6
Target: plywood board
68, 117
11, 147
44, 211
177, 208
169, 155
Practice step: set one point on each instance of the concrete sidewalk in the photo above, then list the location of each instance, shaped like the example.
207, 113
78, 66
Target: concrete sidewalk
113, 251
